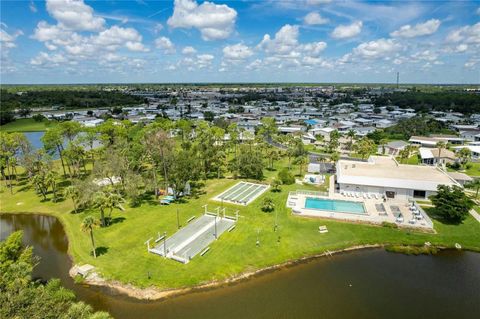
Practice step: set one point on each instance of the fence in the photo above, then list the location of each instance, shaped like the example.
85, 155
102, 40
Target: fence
308, 193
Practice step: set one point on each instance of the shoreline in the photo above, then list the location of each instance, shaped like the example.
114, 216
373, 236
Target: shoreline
156, 294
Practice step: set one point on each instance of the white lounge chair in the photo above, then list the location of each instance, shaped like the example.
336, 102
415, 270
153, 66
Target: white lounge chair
364, 196
322, 229
376, 196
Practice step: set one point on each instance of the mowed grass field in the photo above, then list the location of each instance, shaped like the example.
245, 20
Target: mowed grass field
27, 125
126, 258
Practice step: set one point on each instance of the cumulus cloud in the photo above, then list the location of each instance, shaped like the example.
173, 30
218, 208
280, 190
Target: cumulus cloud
284, 43
420, 29
466, 34
214, 21
347, 31
381, 48
74, 15
204, 60
237, 52
189, 50
44, 59
165, 44
314, 18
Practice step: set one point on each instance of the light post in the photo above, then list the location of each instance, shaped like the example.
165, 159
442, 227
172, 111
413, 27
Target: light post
178, 220
165, 244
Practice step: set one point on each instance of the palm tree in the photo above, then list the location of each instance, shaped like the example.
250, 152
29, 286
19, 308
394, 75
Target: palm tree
72, 192
351, 135
334, 158
88, 224
382, 143
440, 145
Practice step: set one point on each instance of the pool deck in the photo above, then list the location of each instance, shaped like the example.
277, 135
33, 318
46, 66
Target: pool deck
296, 201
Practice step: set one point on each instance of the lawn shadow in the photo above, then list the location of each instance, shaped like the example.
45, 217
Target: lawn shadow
102, 250
113, 221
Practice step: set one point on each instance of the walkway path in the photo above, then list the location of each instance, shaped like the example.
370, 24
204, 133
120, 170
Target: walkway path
475, 215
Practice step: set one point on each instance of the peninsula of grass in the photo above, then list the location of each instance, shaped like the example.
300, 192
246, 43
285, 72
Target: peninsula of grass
125, 257
27, 125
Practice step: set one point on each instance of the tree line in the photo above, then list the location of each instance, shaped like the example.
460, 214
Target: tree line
68, 99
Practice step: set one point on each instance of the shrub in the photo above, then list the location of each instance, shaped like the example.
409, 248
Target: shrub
268, 205
38, 117
286, 177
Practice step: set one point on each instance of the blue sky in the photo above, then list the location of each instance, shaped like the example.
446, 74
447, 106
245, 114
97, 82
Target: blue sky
75, 41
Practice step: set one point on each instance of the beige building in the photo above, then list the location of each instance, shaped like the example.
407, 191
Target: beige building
384, 176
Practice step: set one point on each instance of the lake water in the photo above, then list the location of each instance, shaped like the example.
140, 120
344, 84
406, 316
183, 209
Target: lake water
361, 284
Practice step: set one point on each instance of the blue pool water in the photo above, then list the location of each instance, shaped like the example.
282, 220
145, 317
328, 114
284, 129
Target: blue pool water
335, 205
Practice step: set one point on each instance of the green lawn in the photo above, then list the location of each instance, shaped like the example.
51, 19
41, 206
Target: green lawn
27, 125
127, 260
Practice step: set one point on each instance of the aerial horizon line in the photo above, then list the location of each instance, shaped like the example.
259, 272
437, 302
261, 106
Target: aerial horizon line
243, 83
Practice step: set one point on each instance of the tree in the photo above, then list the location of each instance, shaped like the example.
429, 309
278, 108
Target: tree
351, 135
464, 156
268, 205
268, 128
88, 224
286, 177
184, 169
334, 158
301, 161
334, 141
249, 163
451, 203
23, 297
475, 184
107, 200
53, 143
440, 145
72, 192
276, 184
365, 147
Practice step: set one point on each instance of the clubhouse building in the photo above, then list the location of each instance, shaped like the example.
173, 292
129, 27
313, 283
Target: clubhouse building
384, 176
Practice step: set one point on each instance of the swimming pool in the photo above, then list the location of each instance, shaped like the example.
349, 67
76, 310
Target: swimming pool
341, 206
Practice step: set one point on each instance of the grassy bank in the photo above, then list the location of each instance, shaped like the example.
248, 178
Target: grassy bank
27, 125
124, 256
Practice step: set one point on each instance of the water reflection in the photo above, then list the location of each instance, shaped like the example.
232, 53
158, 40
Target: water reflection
363, 284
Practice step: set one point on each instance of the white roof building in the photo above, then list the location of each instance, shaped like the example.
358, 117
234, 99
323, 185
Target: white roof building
386, 177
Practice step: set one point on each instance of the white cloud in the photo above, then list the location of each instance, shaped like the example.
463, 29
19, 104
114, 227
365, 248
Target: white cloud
420, 29
212, 20
189, 50
204, 60
347, 31
32, 6
165, 44
466, 34
426, 55
314, 18
314, 48
380, 48
7, 41
116, 37
255, 65
74, 15
46, 59
284, 43
237, 52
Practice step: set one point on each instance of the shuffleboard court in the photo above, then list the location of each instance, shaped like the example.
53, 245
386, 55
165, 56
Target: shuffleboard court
193, 238
242, 193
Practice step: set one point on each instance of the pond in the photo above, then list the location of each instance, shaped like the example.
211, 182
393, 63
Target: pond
361, 284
